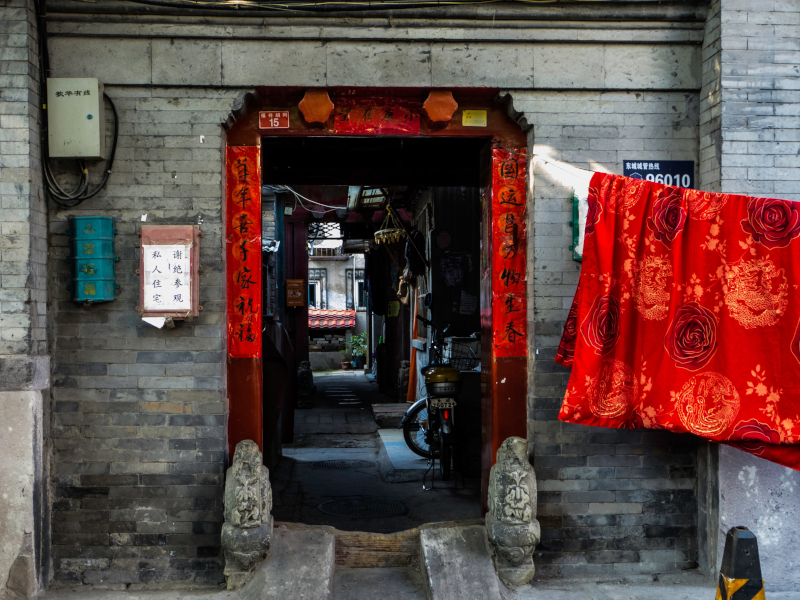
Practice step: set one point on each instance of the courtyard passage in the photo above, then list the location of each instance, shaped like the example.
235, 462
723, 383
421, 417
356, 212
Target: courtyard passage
339, 463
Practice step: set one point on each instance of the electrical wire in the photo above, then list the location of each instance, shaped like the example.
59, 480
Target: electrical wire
72, 199
58, 194
563, 166
331, 5
314, 201
299, 198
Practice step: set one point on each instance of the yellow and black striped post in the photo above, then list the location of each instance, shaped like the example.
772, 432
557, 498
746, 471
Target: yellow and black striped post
740, 575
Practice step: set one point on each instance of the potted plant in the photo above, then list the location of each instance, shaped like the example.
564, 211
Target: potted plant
358, 346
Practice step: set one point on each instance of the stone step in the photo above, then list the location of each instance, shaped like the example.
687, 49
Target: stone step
397, 463
389, 415
456, 564
437, 561
400, 583
369, 550
300, 564
361, 549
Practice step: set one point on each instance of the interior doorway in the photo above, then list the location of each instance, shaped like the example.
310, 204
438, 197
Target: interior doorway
344, 461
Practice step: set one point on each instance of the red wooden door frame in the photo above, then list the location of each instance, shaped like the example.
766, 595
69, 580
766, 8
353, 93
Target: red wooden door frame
504, 250
295, 236
241, 212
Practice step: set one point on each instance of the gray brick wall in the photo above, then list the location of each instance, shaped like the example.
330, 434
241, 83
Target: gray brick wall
138, 416
24, 360
610, 501
138, 423
23, 222
760, 79
710, 152
757, 110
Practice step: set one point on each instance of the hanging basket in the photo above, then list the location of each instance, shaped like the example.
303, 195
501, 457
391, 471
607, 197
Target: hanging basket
390, 230
389, 236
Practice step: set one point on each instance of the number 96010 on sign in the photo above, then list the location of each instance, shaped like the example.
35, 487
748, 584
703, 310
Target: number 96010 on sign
679, 173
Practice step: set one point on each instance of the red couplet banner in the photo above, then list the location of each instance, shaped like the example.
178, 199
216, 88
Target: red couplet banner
509, 298
243, 242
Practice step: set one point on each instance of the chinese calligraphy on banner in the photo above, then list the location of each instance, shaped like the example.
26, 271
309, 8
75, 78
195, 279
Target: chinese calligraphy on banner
243, 237
377, 115
167, 277
509, 299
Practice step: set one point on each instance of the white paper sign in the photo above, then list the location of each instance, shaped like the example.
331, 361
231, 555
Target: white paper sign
167, 277
469, 303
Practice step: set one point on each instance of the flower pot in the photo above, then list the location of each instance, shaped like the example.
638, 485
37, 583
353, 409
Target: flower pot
346, 365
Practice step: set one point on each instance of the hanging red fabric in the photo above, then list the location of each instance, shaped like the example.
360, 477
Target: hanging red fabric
687, 317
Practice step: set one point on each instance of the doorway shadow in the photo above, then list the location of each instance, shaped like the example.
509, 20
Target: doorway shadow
330, 474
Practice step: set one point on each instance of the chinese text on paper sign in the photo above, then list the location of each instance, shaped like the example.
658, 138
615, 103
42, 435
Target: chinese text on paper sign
167, 277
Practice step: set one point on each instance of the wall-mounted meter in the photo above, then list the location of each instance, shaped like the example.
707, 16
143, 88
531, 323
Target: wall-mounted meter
76, 118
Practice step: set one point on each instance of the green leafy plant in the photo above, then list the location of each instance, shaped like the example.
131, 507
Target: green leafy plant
358, 344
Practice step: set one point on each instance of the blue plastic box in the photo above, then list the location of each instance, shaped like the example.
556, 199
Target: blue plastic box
91, 242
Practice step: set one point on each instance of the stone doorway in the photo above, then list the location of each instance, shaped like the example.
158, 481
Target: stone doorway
503, 180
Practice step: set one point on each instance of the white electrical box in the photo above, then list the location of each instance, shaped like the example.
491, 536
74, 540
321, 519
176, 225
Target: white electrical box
76, 120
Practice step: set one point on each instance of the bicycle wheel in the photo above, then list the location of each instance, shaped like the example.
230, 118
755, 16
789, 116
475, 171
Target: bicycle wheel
444, 457
414, 431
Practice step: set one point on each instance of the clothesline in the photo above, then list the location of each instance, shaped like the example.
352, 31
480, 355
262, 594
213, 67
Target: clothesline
575, 177
560, 165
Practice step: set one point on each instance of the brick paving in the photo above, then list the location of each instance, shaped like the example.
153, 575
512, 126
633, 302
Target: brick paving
298, 489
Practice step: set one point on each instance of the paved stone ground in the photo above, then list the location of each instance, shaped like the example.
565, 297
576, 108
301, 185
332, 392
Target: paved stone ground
341, 427
687, 585
334, 440
406, 584
386, 584
400, 455
321, 421
341, 405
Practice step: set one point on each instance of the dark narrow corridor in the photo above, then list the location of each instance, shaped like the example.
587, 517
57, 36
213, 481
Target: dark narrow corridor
338, 463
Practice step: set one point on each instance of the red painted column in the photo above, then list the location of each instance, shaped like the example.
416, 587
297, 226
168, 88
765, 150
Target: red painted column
504, 306
242, 217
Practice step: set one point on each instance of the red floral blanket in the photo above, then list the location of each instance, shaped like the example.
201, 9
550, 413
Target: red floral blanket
687, 317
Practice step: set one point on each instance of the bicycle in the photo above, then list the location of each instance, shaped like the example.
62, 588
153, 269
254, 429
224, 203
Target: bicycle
429, 424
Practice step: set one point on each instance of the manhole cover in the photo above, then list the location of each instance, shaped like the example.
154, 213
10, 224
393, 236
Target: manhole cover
342, 465
363, 507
